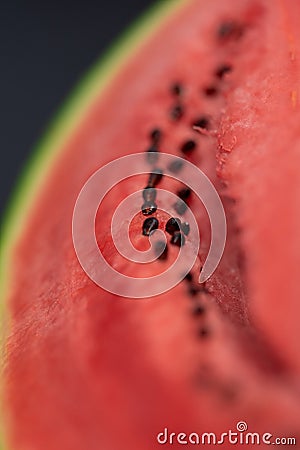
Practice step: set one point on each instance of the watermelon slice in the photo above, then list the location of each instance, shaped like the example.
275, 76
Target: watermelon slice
216, 83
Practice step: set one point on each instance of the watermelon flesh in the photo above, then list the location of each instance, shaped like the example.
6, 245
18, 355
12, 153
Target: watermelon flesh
86, 369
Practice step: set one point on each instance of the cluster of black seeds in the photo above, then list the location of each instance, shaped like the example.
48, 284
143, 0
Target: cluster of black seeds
174, 227
228, 30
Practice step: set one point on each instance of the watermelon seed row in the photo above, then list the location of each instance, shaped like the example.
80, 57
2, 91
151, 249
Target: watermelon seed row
174, 227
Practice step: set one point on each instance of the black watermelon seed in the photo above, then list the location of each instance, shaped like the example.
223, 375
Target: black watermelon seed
193, 291
189, 277
184, 193
175, 166
176, 112
210, 91
155, 177
203, 332
201, 122
149, 194
178, 239
222, 70
152, 155
198, 310
188, 146
185, 228
173, 225
180, 207
155, 135
149, 208
149, 225
229, 30
176, 89
159, 247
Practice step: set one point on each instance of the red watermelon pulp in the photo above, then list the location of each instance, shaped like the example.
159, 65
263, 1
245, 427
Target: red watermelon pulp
217, 83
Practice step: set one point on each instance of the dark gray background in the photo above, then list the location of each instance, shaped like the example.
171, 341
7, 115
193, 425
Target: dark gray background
46, 46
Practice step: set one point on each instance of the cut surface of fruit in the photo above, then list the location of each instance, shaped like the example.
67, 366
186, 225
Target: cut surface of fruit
87, 369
